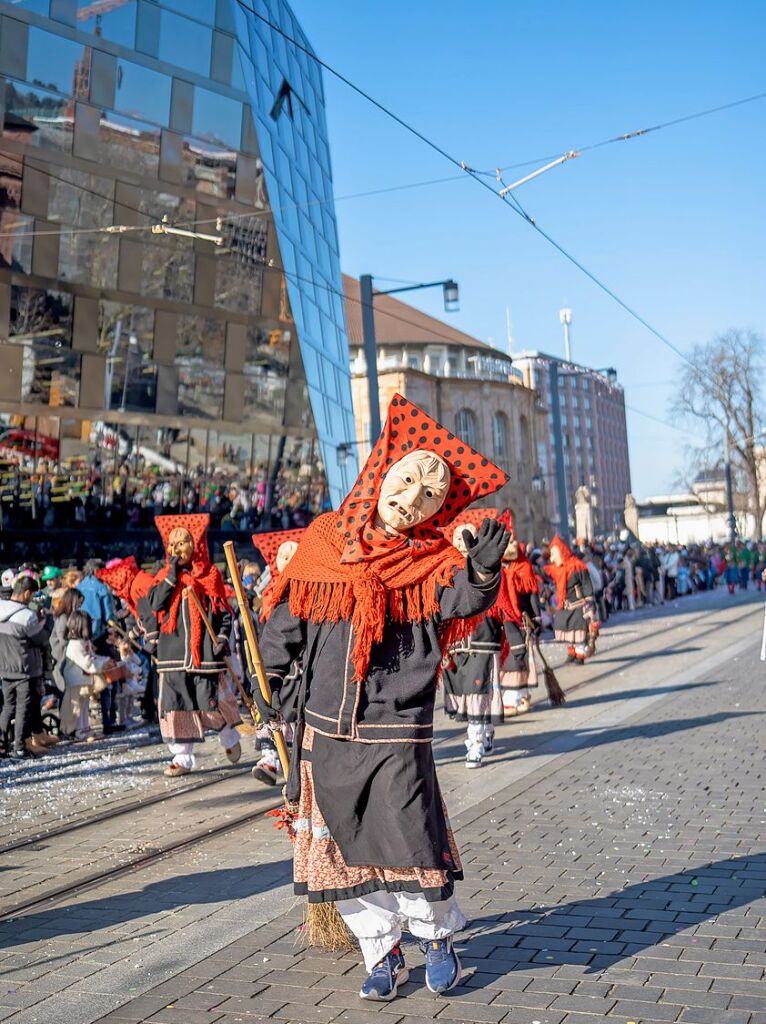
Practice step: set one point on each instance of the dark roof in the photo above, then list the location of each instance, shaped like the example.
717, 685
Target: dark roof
398, 323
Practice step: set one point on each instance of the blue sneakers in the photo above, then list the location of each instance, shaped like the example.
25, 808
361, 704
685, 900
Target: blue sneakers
385, 977
442, 965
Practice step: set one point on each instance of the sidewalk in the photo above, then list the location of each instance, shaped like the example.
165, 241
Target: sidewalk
623, 880
614, 870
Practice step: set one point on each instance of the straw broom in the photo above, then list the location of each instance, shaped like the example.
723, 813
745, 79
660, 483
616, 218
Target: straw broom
556, 695
324, 925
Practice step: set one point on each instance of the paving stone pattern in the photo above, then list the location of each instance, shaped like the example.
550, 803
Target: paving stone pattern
626, 882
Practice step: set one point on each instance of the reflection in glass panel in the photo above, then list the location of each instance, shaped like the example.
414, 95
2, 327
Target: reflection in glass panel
16, 237
217, 118
167, 270
202, 10
43, 317
239, 264
126, 336
185, 43
115, 21
37, 6
142, 93
266, 359
50, 374
200, 349
37, 117
132, 145
89, 259
209, 168
59, 64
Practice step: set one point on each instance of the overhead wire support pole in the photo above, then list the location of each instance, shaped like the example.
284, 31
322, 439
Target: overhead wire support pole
540, 170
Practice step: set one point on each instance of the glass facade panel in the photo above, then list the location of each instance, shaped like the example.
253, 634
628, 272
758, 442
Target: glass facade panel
209, 168
58, 64
202, 10
116, 21
217, 118
142, 93
130, 144
40, 317
37, 117
185, 42
50, 375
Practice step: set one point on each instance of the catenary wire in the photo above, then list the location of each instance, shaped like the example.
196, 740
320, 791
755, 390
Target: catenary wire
477, 177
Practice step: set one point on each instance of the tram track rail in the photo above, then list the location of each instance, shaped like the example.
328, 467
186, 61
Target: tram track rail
152, 854
136, 863
32, 839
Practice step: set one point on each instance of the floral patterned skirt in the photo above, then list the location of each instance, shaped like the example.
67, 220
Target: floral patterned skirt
321, 873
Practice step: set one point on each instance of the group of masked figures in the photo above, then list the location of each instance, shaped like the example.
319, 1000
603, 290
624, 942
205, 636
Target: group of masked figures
367, 610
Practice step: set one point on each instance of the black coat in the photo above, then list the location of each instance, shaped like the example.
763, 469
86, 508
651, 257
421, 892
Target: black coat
373, 769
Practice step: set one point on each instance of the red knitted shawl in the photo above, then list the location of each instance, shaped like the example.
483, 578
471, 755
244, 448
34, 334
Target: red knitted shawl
201, 577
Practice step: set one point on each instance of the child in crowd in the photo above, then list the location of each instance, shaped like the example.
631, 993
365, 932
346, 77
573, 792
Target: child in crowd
131, 687
82, 672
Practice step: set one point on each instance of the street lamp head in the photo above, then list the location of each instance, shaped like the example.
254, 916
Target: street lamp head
451, 296
565, 316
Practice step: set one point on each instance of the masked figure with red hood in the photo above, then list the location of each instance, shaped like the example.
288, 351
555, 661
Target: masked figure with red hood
372, 598
277, 549
193, 693
471, 670
518, 608
574, 621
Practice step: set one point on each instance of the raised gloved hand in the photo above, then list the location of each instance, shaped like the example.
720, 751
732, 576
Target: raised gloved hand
266, 711
172, 574
221, 649
486, 549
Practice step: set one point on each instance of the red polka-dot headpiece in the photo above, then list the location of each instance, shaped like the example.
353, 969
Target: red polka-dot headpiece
408, 429
195, 524
269, 544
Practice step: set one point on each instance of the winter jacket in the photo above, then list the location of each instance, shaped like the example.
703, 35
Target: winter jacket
98, 602
82, 663
24, 639
58, 649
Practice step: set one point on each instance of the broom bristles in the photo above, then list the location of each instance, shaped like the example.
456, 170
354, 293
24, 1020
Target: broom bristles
556, 695
327, 929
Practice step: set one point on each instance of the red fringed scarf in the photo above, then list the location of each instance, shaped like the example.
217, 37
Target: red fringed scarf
201, 577
128, 582
348, 569
560, 574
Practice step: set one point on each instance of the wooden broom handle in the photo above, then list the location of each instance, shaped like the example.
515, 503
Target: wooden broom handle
251, 643
248, 700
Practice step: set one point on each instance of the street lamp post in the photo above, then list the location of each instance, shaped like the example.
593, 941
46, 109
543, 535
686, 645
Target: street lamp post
565, 316
558, 449
451, 305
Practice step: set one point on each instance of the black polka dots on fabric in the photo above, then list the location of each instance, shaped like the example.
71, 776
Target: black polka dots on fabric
409, 428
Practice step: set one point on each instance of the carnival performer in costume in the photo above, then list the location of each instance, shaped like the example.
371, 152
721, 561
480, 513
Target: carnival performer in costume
471, 671
371, 599
518, 608
277, 549
574, 621
194, 695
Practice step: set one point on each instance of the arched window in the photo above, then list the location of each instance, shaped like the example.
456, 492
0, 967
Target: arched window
465, 427
500, 439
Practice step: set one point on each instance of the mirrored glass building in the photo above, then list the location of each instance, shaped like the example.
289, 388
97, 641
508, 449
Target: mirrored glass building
170, 290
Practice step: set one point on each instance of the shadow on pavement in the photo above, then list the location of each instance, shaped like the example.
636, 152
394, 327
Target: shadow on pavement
223, 886
599, 933
584, 739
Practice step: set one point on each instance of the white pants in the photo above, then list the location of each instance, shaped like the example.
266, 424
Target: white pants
183, 753
475, 734
377, 920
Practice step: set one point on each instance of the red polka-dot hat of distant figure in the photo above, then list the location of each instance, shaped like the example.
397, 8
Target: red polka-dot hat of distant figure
269, 544
409, 429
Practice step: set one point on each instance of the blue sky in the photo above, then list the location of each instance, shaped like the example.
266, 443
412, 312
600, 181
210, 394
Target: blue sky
673, 222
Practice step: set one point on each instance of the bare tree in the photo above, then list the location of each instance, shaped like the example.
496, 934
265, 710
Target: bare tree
720, 387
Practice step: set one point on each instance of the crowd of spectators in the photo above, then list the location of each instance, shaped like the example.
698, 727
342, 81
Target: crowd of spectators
70, 674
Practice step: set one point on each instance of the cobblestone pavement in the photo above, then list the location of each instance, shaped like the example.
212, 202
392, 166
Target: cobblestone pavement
615, 854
